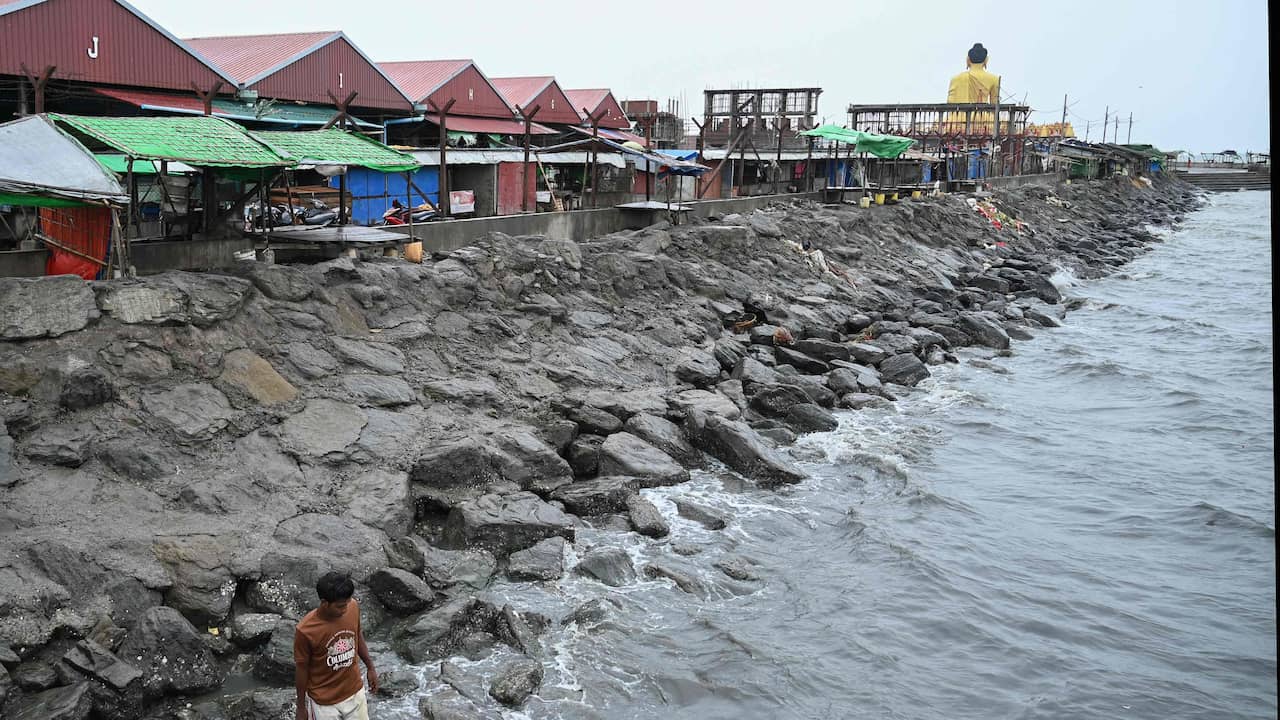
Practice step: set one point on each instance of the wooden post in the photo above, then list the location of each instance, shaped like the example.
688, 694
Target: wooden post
1129, 137
777, 174
526, 191
38, 83
649, 176
206, 98
442, 115
595, 152
1106, 117
808, 166
133, 194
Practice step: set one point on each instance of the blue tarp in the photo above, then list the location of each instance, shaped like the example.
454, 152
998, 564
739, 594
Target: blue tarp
372, 191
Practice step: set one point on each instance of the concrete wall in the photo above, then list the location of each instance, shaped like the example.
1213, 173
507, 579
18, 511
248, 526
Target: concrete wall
1011, 181
22, 263
155, 257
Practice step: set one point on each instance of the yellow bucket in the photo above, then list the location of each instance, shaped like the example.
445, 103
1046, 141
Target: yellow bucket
879, 198
895, 196
915, 195
864, 202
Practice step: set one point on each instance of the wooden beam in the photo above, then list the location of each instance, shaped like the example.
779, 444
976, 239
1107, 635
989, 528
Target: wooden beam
525, 190
38, 83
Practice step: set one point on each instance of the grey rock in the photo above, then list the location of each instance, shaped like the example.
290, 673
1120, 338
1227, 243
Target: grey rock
200, 299
86, 388
444, 569
311, 362
594, 421
438, 632
281, 282
701, 514
378, 357
584, 455
905, 369
381, 499
843, 381
35, 676
399, 591
765, 226
866, 353
199, 566
611, 566
699, 369
286, 586
559, 433
348, 546
1041, 318
825, 350
274, 662
172, 655
752, 372
684, 579
810, 418
378, 390
645, 518
251, 630
521, 457
985, 328
737, 568
543, 561
72, 702
859, 400
1017, 332
135, 460
776, 400
665, 436
779, 435
322, 427
514, 630
516, 681
597, 496
741, 448
728, 352
195, 411
66, 445
588, 613
504, 524
397, 682
466, 391
955, 337
461, 463
800, 361
705, 401
44, 307
101, 664
625, 454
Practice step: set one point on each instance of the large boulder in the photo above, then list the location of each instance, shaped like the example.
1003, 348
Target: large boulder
523, 458
645, 518
274, 662
706, 401
810, 418
985, 328
467, 462
245, 372
699, 369
281, 282
611, 566
286, 585
824, 350
251, 630
444, 569
71, 702
625, 454
596, 496
44, 307
203, 584
378, 357
195, 411
378, 390
182, 298
172, 655
543, 561
776, 400
399, 591
380, 499
741, 448
66, 445
322, 427
516, 681
904, 369
664, 435
594, 421
504, 524
866, 353
800, 361
436, 633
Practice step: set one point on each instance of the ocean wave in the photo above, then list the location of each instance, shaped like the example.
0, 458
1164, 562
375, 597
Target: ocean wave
1215, 516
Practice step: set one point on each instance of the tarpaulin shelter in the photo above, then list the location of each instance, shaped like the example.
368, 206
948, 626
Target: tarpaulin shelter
335, 147
197, 141
881, 146
43, 167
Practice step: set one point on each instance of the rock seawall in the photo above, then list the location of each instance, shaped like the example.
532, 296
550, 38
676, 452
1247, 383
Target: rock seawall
182, 456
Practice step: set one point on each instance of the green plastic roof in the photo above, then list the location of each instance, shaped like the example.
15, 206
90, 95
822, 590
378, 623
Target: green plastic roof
198, 141
882, 146
335, 147
280, 112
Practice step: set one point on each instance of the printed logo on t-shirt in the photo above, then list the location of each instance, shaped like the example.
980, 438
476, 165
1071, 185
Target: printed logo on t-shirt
341, 651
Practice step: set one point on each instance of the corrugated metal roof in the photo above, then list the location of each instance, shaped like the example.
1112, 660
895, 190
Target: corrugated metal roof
276, 112
431, 158
198, 141
521, 90
249, 58
589, 99
462, 123
336, 147
420, 78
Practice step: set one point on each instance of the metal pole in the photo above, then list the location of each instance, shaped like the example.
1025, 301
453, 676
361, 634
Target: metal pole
1129, 138
648, 176
1106, 116
777, 175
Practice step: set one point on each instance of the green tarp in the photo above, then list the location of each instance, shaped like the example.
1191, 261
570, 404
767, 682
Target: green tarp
39, 201
198, 141
336, 147
882, 146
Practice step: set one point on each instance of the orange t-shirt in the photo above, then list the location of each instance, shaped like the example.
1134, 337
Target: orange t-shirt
328, 649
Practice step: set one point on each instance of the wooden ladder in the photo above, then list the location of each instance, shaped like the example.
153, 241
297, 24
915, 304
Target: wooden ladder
551, 186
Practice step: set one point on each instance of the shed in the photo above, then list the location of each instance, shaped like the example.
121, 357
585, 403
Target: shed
439, 81
543, 92
308, 67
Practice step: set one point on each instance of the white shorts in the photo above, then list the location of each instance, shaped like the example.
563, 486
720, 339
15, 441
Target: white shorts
353, 708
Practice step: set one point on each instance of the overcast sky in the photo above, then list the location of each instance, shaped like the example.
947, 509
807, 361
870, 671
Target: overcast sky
1193, 73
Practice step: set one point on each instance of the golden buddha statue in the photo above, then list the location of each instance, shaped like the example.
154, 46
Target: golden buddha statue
974, 85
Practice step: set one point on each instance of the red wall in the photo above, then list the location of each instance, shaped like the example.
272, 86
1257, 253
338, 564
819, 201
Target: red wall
130, 52
474, 96
510, 184
309, 78
562, 112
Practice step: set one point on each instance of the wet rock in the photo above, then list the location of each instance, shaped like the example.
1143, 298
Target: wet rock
136, 460
438, 632
378, 357
1017, 332
251, 630
72, 702
698, 369
594, 421
182, 298
543, 561
645, 518
400, 592
322, 427
35, 676
822, 349
776, 400
810, 418
281, 282
843, 381
559, 433
378, 390
286, 586
274, 662
1041, 318
444, 569
195, 411
752, 372
859, 400
984, 328
905, 369
44, 307
504, 524
684, 579
584, 455
611, 566
779, 435
101, 664
728, 352
199, 566
737, 568
588, 613
516, 681
246, 372
741, 448
171, 653
311, 362
1043, 288
521, 457
597, 496
380, 499
66, 445
800, 361
625, 454
701, 514
466, 391
397, 683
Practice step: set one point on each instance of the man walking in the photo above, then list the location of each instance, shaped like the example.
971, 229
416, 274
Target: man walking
325, 645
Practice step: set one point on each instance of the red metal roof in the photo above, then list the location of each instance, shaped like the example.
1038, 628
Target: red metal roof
443, 80
99, 41
542, 91
497, 126
595, 98
155, 100
249, 58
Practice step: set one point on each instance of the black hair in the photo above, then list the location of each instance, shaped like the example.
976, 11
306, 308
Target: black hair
977, 54
335, 586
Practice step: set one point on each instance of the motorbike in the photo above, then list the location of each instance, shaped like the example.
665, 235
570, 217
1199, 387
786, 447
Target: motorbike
398, 214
